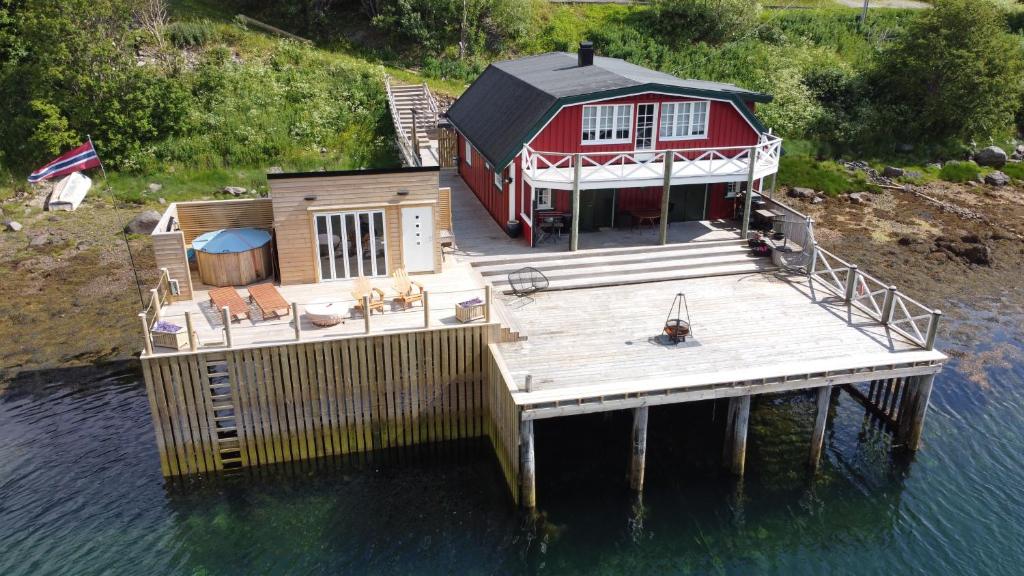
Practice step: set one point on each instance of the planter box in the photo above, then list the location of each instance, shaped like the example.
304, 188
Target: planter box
470, 312
176, 340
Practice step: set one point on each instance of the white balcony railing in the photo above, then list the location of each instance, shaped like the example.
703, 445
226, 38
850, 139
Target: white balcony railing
647, 168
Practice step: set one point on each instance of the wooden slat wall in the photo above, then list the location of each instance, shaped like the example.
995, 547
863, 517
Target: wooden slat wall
447, 148
503, 420
444, 208
293, 223
169, 252
196, 218
316, 399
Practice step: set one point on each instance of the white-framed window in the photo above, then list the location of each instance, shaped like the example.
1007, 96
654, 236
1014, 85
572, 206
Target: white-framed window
543, 198
607, 124
499, 181
684, 120
469, 153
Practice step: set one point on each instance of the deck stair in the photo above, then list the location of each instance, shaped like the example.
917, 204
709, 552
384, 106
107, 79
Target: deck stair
403, 100
632, 265
229, 447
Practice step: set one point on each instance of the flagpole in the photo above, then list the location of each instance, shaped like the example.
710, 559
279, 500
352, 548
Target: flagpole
120, 221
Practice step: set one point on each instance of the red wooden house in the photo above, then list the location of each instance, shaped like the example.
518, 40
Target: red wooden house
538, 132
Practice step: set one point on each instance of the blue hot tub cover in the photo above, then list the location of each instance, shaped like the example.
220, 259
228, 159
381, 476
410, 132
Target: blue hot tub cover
231, 240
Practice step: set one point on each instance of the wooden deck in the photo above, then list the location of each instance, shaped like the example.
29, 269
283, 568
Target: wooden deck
457, 283
603, 345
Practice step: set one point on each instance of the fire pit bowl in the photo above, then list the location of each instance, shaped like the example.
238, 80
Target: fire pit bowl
677, 330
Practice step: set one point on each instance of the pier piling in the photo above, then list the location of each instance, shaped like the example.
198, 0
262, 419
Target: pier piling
527, 466
735, 450
818, 437
638, 454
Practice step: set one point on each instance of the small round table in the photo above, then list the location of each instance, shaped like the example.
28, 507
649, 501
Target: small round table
325, 312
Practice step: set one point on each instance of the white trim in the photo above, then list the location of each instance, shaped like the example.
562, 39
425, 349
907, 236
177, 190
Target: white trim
597, 141
654, 126
374, 237
549, 204
498, 179
689, 125
468, 151
527, 219
658, 92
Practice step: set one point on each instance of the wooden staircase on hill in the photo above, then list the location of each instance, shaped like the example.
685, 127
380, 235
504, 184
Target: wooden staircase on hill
414, 113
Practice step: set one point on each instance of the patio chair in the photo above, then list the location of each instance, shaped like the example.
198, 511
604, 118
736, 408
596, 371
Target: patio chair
229, 297
527, 281
362, 287
409, 291
269, 300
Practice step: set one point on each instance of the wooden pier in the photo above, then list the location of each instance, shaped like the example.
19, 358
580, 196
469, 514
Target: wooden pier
272, 391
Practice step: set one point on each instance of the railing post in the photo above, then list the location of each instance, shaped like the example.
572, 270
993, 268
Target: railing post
298, 323
933, 329
529, 383
666, 191
426, 309
851, 282
814, 262
889, 304
225, 314
487, 303
148, 339
154, 299
193, 344
366, 313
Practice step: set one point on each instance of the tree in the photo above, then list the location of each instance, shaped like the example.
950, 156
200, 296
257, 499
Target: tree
954, 74
711, 21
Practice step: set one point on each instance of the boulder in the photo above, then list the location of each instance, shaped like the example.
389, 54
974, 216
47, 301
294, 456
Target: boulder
12, 226
991, 156
154, 187
860, 198
798, 192
144, 223
970, 238
817, 200
161, 201
275, 170
234, 190
1019, 149
976, 254
997, 179
40, 240
892, 172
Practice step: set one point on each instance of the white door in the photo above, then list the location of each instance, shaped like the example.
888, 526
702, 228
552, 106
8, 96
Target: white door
418, 239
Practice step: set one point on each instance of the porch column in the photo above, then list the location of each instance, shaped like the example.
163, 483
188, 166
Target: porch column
638, 455
818, 436
666, 191
745, 225
735, 450
574, 231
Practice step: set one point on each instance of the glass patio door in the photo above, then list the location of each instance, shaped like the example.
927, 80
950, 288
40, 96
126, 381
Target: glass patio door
645, 123
351, 244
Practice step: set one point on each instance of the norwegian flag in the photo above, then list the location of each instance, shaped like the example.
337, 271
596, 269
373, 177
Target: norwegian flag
81, 158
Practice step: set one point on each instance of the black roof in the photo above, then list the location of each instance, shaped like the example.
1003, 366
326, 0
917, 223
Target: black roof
513, 99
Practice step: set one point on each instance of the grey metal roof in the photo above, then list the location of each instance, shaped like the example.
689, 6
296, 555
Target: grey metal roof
512, 99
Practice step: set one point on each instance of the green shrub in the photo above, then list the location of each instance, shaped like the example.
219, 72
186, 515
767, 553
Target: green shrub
1014, 170
191, 33
712, 21
828, 177
957, 171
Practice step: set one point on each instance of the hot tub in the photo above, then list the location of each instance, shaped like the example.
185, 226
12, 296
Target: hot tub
233, 256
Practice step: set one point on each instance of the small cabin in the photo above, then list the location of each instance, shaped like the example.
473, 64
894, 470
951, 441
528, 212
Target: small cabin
534, 131
318, 226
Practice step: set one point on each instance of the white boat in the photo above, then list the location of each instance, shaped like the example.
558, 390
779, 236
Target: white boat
69, 192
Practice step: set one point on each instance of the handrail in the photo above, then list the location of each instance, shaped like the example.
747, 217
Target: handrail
404, 144
878, 300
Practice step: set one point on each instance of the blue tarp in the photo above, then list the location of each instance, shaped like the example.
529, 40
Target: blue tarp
231, 240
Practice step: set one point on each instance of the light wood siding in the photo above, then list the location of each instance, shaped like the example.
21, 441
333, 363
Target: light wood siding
197, 218
169, 252
503, 419
293, 219
315, 399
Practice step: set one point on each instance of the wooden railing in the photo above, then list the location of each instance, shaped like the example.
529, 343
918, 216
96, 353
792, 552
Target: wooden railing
884, 303
424, 315
409, 154
158, 296
728, 163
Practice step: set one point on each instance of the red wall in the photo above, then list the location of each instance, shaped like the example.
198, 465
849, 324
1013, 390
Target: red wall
480, 179
727, 127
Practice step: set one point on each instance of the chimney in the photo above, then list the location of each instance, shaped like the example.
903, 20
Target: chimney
585, 57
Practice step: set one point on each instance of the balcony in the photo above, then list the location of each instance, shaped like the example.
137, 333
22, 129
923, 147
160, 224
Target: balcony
560, 170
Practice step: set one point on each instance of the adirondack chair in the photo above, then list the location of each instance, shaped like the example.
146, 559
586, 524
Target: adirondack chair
409, 291
362, 287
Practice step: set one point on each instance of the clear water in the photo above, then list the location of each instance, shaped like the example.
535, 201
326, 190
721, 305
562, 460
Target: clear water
81, 493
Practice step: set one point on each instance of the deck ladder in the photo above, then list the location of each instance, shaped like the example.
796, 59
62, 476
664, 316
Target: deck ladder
229, 446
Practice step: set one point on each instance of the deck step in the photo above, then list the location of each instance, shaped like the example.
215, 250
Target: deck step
538, 256
630, 259
601, 280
